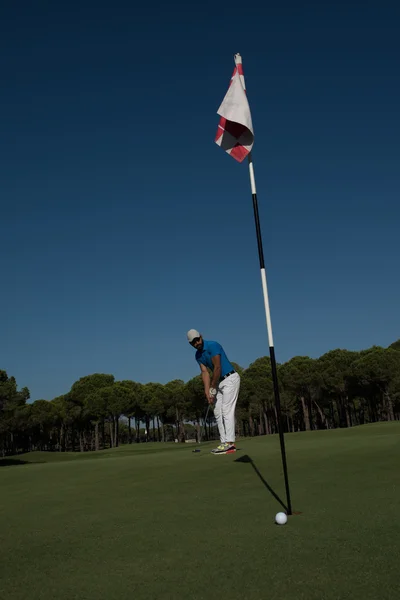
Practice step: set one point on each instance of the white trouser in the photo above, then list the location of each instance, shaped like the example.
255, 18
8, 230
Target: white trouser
224, 408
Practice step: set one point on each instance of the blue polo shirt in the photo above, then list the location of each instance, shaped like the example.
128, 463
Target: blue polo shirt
211, 349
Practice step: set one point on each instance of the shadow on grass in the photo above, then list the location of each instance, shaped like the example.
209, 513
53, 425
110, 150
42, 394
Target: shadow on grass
247, 459
10, 462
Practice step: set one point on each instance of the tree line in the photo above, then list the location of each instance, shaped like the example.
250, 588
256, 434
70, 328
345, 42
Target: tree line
342, 388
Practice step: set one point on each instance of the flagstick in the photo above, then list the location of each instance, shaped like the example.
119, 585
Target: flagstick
269, 328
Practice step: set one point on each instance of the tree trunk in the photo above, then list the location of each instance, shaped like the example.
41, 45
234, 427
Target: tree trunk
158, 430
277, 424
361, 416
340, 412
332, 411
130, 431
237, 429
111, 427
260, 423
322, 415
347, 412
180, 429
62, 438
116, 435
389, 403
373, 417
96, 436
306, 414
183, 433
81, 447
356, 418
103, 434
251, 423
310, 412
147, 433
266, 423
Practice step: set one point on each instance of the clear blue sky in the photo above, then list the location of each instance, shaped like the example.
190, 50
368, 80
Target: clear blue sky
123, 224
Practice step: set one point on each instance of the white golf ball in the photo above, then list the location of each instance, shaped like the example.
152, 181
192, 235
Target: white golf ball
281, 518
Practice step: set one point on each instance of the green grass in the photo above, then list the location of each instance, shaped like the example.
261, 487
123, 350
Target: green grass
147, 521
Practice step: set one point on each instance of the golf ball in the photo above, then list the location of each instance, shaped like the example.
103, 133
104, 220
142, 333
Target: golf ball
281, 518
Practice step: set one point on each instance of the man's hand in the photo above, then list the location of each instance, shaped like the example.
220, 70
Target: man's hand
211, 395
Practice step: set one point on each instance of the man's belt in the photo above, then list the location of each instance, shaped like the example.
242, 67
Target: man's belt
227, 375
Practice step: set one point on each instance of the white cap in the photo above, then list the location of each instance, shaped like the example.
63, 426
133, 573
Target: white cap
192, 334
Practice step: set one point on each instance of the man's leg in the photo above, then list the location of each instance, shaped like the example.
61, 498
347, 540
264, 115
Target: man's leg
230, 395
218, 416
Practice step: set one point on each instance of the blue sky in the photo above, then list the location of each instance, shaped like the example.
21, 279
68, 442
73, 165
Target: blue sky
123, 224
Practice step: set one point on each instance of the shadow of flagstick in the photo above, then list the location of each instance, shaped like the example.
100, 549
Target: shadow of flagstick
248, 459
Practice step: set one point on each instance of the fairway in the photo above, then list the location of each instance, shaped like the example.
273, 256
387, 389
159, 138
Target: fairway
159, 521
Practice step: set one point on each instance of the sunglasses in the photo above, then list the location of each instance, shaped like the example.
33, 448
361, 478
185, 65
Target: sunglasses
195, 340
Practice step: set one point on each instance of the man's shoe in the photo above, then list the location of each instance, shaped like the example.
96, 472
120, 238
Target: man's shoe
221, 449
225, 449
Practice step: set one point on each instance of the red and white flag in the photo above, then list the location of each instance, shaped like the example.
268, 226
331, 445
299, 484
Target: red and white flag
235, 130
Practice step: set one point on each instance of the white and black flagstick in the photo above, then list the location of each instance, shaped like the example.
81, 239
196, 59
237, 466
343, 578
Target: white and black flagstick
269, 328
236, 136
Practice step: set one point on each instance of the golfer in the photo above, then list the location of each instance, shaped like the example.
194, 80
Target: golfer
222, 391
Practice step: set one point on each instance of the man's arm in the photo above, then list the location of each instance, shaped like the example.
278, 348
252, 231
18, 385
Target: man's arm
217, 370
206, 380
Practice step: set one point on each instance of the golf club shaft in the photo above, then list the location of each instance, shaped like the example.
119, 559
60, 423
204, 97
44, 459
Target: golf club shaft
205, 423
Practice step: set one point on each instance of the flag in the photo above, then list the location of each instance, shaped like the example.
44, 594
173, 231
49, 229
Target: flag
235, 129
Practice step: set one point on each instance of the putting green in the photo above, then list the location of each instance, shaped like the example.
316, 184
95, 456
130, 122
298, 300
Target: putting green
159, 521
